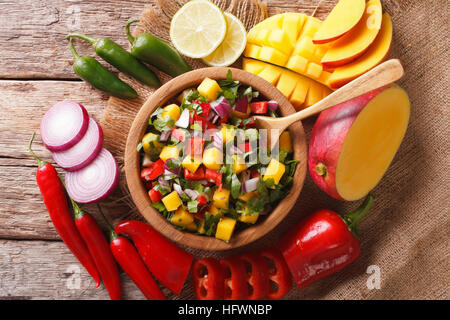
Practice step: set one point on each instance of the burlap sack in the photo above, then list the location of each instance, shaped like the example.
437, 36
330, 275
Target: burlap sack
405, 239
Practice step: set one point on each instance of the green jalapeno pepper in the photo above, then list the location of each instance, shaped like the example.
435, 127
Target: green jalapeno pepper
118, 57
148, 48
101, 78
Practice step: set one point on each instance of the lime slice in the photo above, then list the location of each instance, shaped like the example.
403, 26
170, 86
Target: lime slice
232, 47
198, 28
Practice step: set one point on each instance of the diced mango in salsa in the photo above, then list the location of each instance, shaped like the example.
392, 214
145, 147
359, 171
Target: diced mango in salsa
248, 196
209, 88
225, 228
172, 201
151, 144
221, 198
192, 227
172, 111
191, 163
182, 218
213, 158
238, 164
228, 133
214, 210
285, 141
275, 171
201, 227
248, 218
169, 152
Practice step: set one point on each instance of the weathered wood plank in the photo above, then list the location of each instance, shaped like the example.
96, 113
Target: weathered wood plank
32, 32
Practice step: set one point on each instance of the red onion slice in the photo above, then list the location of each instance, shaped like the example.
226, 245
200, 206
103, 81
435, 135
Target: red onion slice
84, 152
272, 105
64, 125
94, 182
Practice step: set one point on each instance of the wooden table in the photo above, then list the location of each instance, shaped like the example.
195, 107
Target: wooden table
35, 73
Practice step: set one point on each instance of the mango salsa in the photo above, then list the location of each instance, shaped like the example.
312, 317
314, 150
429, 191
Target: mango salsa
213, 158
286, 142
274, 171
248, 218
191, 163
221, 198
225, 228
169, 152
172, 201
182, 218
172, 111
238, 164
209, 88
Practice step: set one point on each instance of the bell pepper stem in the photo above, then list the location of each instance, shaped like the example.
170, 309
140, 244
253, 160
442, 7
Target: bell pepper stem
91, 40
354, 218
128, 31
39, 160
112, 234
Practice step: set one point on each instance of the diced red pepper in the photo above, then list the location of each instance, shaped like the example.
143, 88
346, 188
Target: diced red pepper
202, 200
224, 119
155, 195
254, 173
260, 107
206, 125
206, 108
235, 281
278, 273
195, 147
153, 172
258, 277
213, 176
245, 147
208, 279
179, 134
197, 176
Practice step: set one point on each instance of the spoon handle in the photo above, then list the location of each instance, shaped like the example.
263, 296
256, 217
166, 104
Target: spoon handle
382, 75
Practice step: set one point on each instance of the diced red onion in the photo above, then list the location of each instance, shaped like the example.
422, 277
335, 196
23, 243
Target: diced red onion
174, 171
94, 182
193, 194
272, 105
205, 182
64, 125
84, 152
221, 107
244, 177
183, 121
251, 185
168, 175
163, 182
242, 105
165, 135
178, 189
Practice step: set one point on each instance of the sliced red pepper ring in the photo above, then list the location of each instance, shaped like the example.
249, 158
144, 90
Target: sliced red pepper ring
257, 275
208, 279
235, 279
279, 274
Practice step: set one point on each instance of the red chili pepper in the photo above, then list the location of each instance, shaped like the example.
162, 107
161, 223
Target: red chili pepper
155, 195
258, 277
179, 134
245, 147
153, 172
278, 273
167, 262
99, 250
213, 176
197, 176
129, 260
206, 108
53, 193
208, 279
260, 107
323, 244
235, 279
195, 147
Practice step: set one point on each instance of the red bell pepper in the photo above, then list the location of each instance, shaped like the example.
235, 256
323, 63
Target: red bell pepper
99, 249
260, 107
245, 147
258, 278
55, 201
213, 176
166, 261
155, 195
206, 108
154, 171
208, 279
206, 125
254, 173
235, 279
323, 244
278, 273
194, 147
196, 176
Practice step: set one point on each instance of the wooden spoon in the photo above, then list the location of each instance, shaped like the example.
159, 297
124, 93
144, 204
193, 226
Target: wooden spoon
382, 75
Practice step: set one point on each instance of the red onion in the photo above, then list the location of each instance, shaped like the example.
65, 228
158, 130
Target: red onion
94, 182
221, 107
272, 105
64, 125
178, 189
193, 194
165, 135
169, 175
251, 185
242, 105
163, 182
183, 121
173, 171
84, 152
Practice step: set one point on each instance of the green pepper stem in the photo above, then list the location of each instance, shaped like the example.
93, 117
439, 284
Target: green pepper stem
354, 218
91, 40
72, 48
77, 211
112, 234
128, 31
39, 160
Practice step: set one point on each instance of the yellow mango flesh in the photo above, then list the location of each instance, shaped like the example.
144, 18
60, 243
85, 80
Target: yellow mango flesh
293, 85
213, 158
169, 152
221, 198
209, 88
182, 218
371, 143
172, 111
247, 218
225, 229
371, 58
358, 40
275, 171
343, 18
172, 201
285, 142
191, 163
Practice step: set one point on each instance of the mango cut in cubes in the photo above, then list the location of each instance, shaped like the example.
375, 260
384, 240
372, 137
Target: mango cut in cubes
209, 88
301, 91
172, 201
225, 228
286, 40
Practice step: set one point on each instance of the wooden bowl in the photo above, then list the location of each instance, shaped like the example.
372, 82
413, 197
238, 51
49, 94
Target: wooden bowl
132, 160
